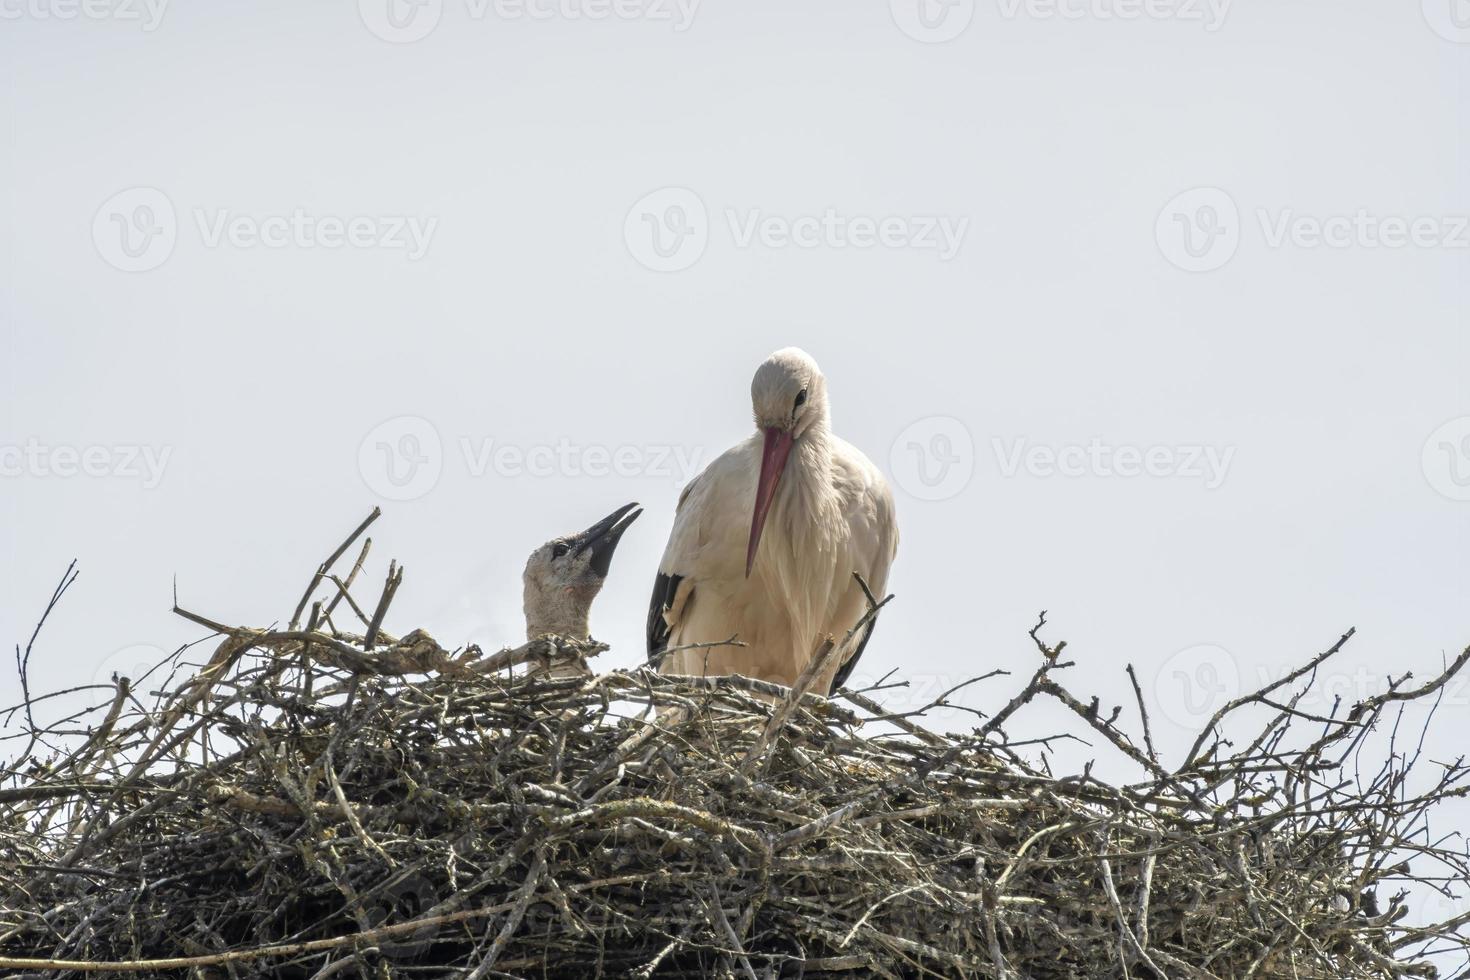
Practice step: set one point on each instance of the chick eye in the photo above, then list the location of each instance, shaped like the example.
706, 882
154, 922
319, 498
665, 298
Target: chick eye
558, 549
801, 398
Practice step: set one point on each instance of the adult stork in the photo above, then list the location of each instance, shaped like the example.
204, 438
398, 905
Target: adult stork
766, 541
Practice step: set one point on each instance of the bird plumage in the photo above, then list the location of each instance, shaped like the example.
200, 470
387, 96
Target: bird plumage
565, 574
831, 514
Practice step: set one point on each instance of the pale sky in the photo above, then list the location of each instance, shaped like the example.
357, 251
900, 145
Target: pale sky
1156, 315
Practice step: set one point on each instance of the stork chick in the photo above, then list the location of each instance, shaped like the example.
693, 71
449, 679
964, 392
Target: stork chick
766, 540
564, 575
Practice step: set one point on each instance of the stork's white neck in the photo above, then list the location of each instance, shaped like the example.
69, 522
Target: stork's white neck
806, 489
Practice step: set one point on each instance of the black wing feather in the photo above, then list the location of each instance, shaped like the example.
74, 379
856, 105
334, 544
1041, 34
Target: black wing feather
845, 671
665, 587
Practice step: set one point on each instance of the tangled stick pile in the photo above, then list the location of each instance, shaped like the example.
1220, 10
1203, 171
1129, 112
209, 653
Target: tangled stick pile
318, 801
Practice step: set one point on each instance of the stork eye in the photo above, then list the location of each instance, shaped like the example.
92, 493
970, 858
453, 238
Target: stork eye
558, 550
801, 398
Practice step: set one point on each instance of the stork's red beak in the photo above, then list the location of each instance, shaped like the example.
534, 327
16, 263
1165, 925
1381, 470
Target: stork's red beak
773, 464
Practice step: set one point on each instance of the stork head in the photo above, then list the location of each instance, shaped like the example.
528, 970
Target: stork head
564, 575
789, 396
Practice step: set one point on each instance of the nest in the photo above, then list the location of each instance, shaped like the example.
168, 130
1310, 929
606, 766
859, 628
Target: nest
316, 801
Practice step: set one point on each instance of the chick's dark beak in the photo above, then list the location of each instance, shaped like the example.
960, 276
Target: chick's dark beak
602, 537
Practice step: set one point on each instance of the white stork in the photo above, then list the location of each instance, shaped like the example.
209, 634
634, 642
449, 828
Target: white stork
564, 575
817, 511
